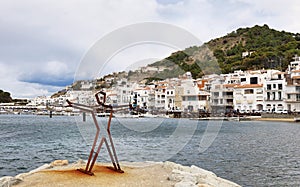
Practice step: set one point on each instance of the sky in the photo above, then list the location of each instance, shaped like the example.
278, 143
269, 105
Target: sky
43, 42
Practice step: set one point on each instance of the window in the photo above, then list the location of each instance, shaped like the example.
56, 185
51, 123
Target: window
279, 95
253, 80
248, 91
289, 96
279, 86
274, 85
192, 98
268, 96
216, 94
298, 97
202, 97
215, 101
269, 87
243, 79
259, 91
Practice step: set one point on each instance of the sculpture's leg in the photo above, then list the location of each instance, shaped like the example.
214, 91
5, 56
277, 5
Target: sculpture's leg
96, 155
111, 141
110, 154
89, 167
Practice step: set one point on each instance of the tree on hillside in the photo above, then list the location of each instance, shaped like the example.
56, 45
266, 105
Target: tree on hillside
5, 97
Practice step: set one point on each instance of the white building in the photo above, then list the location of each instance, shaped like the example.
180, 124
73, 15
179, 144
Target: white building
274, 92
86, 97
190, 96
248, 97
40, 101
140, 97
292, 98
124, 89
170, 98
160, 96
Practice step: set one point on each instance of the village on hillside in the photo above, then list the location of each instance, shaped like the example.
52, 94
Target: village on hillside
256, 91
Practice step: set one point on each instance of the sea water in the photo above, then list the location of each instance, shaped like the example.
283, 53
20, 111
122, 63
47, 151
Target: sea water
249, 153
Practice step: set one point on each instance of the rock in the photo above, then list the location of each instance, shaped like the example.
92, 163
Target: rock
4, 180
59, 163
195, 169
45, 166
80, 161
185, 184
181, 176
176, 175
193, 176
9, 181
204, 185
22, 175
172, 165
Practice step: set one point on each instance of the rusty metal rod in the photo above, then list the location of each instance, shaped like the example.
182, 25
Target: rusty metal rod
110, 154
96, 155
95, 141
111, 141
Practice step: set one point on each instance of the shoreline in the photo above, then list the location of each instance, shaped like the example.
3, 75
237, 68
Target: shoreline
276, 119
289, 119
166, 173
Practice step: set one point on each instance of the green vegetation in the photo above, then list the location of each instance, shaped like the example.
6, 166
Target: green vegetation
269, 49
59, 93
5, 97
150, 79
197, 60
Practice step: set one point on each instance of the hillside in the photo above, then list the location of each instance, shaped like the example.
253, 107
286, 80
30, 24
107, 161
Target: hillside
271, 49
262, 48
252, 48
5, 97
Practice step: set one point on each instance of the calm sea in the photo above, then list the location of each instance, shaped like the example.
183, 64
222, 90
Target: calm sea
248, 153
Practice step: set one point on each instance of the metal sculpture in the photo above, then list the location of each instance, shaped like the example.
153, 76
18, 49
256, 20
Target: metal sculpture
110, 147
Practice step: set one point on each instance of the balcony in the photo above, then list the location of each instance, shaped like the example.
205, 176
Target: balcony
238, 102
228, 96
228, 103
292, 100
280, 99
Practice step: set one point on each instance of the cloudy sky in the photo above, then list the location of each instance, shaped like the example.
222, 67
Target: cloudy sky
42, 42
